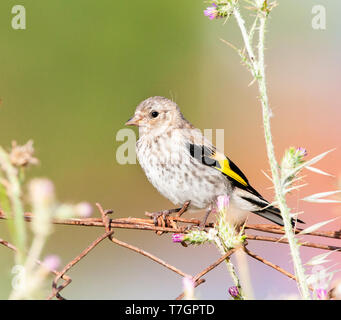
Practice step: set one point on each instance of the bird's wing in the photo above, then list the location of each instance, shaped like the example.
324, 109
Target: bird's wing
209, 156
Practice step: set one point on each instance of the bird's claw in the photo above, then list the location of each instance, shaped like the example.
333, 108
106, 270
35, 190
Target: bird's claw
165, 213
160, 214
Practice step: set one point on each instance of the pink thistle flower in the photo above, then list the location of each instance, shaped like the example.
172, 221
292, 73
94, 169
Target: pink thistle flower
178, 237
222, 202
83, 209
234, 292
51, 262
321, 294
211, 12
41, 191
302, 152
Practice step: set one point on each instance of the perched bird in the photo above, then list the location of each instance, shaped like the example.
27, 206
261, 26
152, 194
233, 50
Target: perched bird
184, 166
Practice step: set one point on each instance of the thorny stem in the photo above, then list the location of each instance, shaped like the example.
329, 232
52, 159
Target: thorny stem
259, 72
247, 42
285, 211
230, 267
14, 194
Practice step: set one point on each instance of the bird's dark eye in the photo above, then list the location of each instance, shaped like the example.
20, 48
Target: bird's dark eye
154, 114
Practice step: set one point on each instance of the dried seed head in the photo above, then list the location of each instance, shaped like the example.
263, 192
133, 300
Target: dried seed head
22, 156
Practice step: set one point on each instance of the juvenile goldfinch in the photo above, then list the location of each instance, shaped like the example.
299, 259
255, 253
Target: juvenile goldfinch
184, 166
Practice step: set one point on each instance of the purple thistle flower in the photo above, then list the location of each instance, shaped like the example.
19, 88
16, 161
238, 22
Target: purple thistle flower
321, 294
211, 12
51, 262
302, 152
234, 292
83, 209
178, 237
222, 202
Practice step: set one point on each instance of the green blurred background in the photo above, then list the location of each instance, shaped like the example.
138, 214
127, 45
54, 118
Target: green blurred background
75, 75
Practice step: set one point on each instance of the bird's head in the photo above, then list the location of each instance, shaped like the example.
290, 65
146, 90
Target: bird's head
156, 114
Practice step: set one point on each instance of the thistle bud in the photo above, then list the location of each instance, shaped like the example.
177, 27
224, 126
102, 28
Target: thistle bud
234, 292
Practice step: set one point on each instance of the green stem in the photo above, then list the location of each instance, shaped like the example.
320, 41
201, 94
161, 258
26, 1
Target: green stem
230, 268
259, 72
14, 194
247, 42
32, 278
280, 197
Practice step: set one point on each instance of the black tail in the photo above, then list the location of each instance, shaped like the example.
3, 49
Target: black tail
273, 214
269, 212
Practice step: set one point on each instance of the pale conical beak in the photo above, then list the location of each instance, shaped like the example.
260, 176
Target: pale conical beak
134, 121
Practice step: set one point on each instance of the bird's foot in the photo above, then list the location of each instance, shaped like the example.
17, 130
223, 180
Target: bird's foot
162, 214
161, 218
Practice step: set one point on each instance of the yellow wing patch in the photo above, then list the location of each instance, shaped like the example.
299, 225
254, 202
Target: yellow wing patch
226, 169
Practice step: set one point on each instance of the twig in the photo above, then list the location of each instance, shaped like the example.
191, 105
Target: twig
197, 278
279, 230
270, 264
8, 245
124, 223
67, 279
150, 256
143, 252
55, 289
148, 224
108, 234
304, 244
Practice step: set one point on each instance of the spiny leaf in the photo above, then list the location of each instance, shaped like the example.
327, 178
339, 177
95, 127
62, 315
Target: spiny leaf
318, 171
317, 226
315, 278
309, 162
317, 197
295, 188
320, 259
323, 201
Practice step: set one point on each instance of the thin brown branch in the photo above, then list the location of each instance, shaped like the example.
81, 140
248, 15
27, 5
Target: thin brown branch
150, 256
304, 244
270, 264
8, 245
167, 224
108, 234
138, 250
55, 289
197, 278
148, 224
123, 223
67, 279
280, 230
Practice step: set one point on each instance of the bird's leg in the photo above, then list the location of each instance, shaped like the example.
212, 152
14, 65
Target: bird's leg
203, 222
